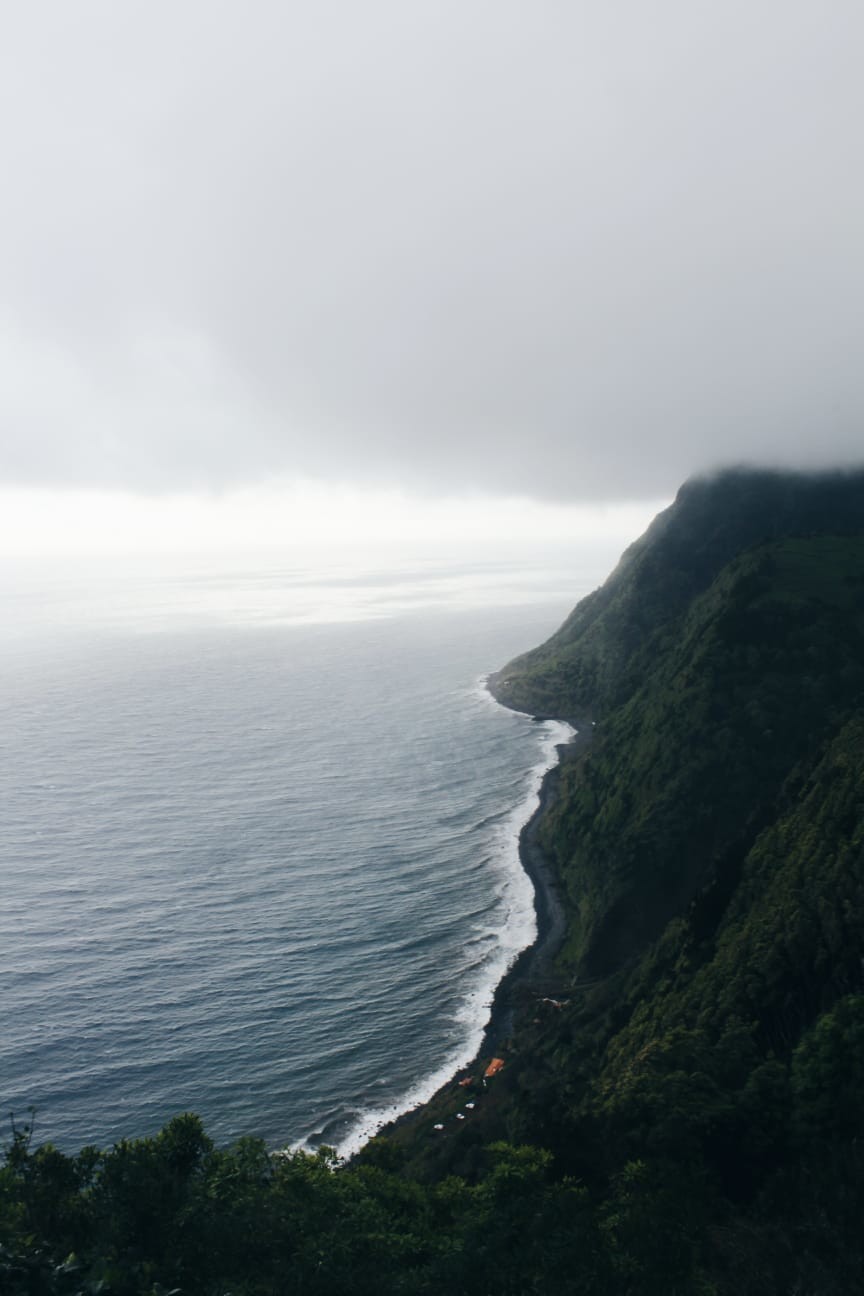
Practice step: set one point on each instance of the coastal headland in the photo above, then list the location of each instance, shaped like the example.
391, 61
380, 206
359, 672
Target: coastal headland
742, 598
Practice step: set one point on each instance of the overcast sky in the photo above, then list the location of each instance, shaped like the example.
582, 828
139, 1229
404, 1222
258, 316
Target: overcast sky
566, 250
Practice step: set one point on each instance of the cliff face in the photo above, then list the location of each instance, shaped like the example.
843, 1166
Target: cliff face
710, 848
600, 653
719, 660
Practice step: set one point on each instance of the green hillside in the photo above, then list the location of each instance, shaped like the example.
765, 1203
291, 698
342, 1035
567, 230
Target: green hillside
757, 673
601, 651
685, 1113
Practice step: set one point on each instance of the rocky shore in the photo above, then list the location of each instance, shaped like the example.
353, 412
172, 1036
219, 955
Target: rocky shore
533, 972
534, 968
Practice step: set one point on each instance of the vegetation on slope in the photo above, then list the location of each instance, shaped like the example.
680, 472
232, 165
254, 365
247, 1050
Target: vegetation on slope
689, 1119
597, 657
758, 671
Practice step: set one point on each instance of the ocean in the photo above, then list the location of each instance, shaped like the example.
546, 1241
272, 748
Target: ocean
258, 846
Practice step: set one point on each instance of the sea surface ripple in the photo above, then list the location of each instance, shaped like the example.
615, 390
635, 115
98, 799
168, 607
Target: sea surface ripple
260, 867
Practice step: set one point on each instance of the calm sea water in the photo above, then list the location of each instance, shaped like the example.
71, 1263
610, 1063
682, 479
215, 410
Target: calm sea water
258, 837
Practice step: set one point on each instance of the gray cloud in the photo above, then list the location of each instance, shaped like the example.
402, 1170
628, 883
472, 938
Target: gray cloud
559, 248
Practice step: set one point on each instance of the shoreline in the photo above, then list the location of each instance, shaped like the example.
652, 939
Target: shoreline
534, 962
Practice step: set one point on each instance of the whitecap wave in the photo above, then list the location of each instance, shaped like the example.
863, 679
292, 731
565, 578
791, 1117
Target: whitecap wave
518, 932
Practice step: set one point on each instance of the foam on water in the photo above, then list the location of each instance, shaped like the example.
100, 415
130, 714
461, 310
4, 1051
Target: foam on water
518, 932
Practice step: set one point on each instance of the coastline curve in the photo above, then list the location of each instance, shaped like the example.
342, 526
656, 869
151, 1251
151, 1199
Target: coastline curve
523, 964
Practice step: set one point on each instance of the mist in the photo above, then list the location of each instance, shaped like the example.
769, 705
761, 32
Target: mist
562, 251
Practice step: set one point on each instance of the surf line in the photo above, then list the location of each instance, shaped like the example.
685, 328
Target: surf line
529, 935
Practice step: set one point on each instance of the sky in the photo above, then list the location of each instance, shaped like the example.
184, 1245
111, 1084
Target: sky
404, 258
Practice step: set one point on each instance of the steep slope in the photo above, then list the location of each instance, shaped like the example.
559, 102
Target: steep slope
600, 653
763, 667
726, 647
710, 847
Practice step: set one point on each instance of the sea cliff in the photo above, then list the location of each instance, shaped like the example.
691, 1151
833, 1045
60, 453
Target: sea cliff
708, 853
679, 1107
